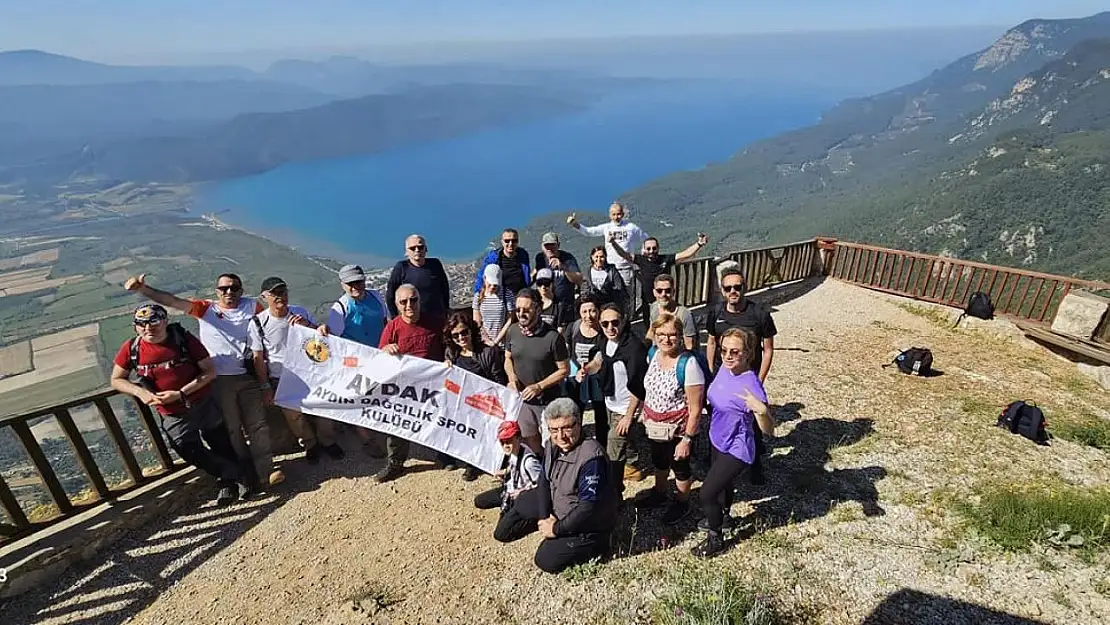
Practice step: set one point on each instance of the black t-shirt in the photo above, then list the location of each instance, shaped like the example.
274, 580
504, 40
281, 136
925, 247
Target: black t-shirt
753, 317
564, 289
579, 345
534, 357
512, 272
650, 269
553, 315
489, 363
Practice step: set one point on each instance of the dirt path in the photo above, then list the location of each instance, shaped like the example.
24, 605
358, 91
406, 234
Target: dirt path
863, 464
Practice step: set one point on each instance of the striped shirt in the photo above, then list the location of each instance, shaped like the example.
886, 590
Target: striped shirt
495, 313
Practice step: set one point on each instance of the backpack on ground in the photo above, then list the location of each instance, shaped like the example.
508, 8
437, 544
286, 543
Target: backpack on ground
680, 368
1025, 418
914, 361
979, 306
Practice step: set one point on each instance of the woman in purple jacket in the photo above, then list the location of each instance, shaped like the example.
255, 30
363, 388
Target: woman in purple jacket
739, 404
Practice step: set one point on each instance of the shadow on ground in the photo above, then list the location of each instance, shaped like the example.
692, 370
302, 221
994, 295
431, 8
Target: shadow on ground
798, 487
129, 576
911, 606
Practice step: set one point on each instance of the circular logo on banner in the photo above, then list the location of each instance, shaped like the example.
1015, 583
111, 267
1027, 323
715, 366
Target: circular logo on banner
317, 350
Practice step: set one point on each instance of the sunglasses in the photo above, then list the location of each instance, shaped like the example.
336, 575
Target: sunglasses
148, 322
733, 288
543, 283
229, 288
461, 333
663, 291
732, 353
611, 323
357, 284
526, 309
417, 248
509, 241
408, 301
280, 292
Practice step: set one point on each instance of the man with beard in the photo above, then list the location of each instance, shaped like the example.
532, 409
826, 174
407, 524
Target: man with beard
650, 264
536, 362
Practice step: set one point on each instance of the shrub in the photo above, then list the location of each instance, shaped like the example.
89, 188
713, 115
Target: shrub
701, 594
1015, 518
1091, 431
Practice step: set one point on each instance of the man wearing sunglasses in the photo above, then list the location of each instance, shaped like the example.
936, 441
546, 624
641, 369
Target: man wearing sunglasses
651, 264
174, 371
663, 290
426, 274
565, 271
516, 270
737, 311
536, 362
410, 333
224, 324
267, 341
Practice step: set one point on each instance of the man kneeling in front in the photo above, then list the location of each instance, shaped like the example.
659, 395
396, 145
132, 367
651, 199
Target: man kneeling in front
584, 497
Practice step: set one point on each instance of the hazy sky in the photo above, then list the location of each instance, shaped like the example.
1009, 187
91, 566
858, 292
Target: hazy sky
115, 29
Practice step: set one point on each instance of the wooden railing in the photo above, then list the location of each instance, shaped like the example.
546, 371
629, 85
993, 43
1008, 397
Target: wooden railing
766, 266
99, 489
694, 281
1016, 293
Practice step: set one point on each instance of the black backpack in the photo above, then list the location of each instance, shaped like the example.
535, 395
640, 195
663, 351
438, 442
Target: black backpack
915, 360
1026, 419
979, 306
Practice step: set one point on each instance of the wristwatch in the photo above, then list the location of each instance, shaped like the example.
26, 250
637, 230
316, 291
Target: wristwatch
689, 438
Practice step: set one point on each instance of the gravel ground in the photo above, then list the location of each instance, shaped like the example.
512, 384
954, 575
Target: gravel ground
853, 516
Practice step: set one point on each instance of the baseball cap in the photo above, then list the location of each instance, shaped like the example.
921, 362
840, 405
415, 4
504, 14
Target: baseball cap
351, 273
507, 431
549, 238
492, 275
150, 313
545, 274
271, 283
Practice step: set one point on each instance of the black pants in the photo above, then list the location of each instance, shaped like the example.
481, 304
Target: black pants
396, 450
516, 522
717, 490
601, 422
662, 459
556, 554
187, 434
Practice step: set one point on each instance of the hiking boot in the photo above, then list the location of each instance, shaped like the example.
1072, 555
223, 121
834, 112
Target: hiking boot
277, 477
713, 544
649, 498
471, 474
449, 465
227, 495
243, 490
726, 523
389, 473
335, 451
633, 474
675, 512
312, 454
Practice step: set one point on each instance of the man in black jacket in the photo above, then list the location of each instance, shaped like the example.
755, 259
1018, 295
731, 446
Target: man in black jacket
426, 274
584, 498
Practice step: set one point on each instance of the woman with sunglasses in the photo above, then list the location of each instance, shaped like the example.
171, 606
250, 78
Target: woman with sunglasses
493, 312
465, 351
551, 312
739, 406
603, 283
620, 361
673, 403
583, 337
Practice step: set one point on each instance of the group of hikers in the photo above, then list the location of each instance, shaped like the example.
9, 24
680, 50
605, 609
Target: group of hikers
558, 334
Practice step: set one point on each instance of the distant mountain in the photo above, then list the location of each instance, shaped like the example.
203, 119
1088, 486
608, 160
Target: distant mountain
256, 142
882, 168
34, 67
354, 77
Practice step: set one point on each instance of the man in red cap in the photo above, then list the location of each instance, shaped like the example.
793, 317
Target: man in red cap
518, 497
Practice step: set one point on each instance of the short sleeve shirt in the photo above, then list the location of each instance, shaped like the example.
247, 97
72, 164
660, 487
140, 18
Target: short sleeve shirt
689, 326
564, 288
275, 330
649, 270
535, 357
753, 317
423, 339
162, 364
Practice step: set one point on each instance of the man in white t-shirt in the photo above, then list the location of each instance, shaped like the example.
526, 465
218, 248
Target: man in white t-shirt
621, 231
223, 332
267, 338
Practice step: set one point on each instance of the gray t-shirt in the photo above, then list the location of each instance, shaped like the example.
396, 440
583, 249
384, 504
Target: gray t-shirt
534, 357
689, 328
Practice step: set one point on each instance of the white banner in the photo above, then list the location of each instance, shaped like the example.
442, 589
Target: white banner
443, 408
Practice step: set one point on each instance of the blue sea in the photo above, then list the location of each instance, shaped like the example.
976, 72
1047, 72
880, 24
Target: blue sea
460, 193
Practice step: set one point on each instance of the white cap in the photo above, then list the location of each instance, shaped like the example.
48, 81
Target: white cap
491, 275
